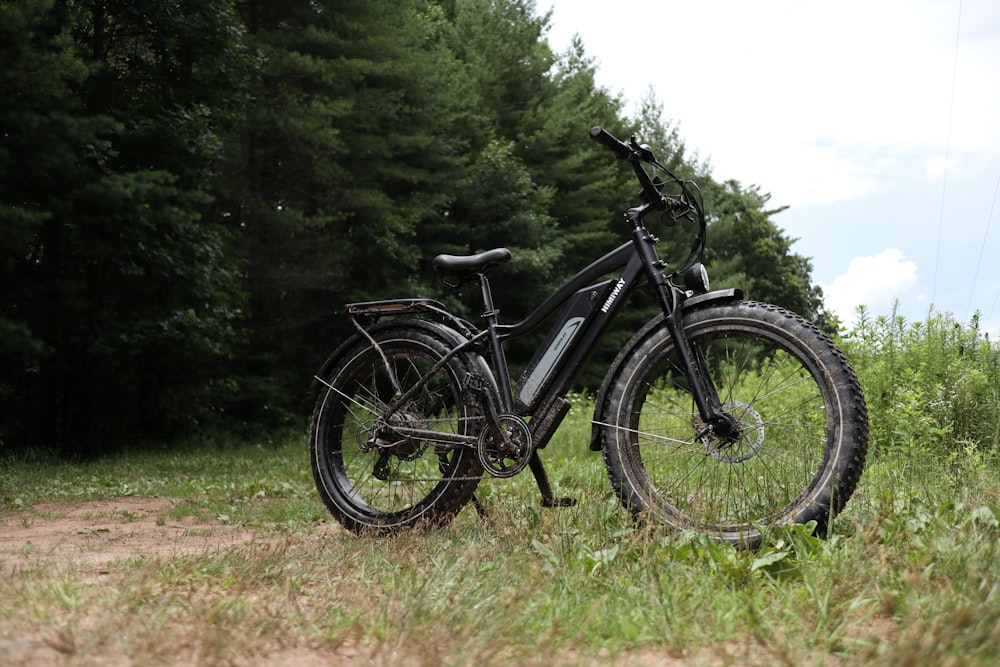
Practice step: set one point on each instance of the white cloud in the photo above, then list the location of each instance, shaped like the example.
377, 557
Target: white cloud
874, 282
802, 98
831, 175
937, 167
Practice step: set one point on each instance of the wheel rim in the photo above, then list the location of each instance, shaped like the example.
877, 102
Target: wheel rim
729, 487
372, 473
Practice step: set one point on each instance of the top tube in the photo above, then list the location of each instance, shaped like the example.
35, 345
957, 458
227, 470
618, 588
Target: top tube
616, 259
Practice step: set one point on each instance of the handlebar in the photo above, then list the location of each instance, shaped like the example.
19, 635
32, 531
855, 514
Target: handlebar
606, 139
685, 204
632, 150
637, 154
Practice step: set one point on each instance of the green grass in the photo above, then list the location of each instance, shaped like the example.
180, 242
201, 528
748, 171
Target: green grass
911, 574
258, 482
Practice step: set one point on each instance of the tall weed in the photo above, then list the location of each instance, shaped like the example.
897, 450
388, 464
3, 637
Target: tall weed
932, 386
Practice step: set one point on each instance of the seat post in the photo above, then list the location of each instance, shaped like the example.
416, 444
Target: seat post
490, 314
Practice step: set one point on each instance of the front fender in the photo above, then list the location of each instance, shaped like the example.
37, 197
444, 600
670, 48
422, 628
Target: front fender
699, 301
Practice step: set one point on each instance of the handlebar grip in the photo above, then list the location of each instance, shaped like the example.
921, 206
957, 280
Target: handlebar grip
606, 139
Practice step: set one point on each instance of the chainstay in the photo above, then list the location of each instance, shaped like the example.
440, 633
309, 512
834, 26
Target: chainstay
469, 478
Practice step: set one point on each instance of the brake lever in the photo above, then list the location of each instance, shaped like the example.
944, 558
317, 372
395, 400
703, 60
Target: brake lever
641, 151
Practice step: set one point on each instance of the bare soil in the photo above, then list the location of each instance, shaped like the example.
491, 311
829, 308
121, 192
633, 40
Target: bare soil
93, 534
90, 536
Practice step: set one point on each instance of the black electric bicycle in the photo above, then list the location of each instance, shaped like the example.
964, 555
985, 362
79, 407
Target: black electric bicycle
721, 415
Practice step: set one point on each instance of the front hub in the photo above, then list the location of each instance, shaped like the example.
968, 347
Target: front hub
734, 436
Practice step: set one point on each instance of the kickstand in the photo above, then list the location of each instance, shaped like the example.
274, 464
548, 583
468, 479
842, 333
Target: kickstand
480, 508
548, 500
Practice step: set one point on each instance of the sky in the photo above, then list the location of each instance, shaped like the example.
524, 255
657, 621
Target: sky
876, 122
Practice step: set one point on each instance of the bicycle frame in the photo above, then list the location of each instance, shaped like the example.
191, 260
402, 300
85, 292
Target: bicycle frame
591, 307
572, 353
635, 260
571, 343
427, 399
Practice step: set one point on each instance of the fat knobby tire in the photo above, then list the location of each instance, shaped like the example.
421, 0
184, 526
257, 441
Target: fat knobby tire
370, 478
803, 426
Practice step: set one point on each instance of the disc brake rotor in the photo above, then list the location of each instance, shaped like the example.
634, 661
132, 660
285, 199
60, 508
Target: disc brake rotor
747, 445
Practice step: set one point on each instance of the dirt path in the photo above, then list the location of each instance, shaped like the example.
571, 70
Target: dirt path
90, 536
93, 534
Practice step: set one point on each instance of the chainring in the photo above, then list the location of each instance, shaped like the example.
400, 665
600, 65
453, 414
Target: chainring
503, 456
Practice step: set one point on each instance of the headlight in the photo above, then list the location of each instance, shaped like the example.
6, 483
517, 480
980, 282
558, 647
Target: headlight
696, 278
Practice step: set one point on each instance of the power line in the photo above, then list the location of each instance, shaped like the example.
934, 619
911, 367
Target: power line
947, 152
993, 307
988, 221
982, 249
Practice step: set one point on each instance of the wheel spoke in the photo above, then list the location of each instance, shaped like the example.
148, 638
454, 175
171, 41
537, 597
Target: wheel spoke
786, 388
390, 435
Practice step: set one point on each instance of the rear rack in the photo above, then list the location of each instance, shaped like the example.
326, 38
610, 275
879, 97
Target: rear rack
369, 312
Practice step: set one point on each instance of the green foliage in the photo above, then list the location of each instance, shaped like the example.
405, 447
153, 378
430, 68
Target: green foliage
498, 204
230, 174
121, 296
931, 386
43, 135
346, 150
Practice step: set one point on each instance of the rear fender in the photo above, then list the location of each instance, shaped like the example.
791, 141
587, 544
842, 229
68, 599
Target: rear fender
477, 364
653, 325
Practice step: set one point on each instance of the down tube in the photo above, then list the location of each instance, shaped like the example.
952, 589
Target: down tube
582, 347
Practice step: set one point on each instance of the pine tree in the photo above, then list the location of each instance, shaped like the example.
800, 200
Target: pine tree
125, 289
346, 152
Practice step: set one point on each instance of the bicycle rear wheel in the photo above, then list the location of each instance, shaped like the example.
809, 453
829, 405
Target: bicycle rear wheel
801, 441
372, 472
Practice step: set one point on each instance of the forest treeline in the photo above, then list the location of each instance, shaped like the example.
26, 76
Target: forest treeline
190, 191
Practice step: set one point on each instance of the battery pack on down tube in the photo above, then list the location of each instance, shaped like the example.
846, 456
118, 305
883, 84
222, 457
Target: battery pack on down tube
547, 362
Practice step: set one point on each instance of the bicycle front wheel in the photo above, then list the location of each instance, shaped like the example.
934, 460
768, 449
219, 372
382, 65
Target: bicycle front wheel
382, 464
801, 439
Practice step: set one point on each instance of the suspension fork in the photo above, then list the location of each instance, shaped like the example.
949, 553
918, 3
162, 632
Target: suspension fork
703, 390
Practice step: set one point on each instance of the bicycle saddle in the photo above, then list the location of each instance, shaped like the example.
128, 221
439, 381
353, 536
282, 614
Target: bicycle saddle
467, 267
